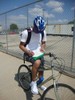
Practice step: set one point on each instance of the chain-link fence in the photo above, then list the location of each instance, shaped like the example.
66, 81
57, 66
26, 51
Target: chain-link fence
60, 38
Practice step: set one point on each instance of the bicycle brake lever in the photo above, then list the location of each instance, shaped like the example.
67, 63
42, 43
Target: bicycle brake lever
51, 55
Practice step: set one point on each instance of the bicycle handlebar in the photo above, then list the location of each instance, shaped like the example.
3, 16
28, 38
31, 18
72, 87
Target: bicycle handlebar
51, 55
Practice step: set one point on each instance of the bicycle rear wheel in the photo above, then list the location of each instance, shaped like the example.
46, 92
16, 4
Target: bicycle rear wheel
64, 91
24, 77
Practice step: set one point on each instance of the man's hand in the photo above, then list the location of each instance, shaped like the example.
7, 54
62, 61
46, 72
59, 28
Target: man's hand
42, 50
30, 53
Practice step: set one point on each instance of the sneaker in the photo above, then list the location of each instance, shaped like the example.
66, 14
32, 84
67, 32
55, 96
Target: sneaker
43, 88
34, 88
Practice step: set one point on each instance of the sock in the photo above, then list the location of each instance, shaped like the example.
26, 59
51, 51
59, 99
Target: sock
40, 80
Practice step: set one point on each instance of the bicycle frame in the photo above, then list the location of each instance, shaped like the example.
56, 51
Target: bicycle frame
54, 64
48, 79
52, 77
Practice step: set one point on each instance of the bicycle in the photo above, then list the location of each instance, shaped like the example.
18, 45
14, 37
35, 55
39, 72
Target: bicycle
56, 91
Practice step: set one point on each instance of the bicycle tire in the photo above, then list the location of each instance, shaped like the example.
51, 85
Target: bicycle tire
65, 92
24, 77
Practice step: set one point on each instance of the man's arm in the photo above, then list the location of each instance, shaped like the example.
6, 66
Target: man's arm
43, 46
24, 49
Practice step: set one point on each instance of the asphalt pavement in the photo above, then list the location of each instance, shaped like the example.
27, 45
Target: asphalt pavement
9, 87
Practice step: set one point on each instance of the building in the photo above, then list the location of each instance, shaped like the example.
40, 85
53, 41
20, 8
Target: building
60, 29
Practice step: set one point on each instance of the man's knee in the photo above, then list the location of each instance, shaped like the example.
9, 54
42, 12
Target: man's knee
37, 63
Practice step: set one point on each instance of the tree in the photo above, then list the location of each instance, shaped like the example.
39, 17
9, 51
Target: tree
71, 22
13, 27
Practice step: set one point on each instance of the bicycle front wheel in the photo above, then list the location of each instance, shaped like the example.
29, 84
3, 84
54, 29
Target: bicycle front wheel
24, 77
63, 91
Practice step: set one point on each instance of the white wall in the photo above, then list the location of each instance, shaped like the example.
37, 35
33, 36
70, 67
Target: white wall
60, 29
67, 29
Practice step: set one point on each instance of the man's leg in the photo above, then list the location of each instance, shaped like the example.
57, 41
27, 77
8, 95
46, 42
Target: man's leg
33, 84
34, 69
41, 75
41, 65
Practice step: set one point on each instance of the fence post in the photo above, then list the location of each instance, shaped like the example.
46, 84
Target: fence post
73, 46
6, 33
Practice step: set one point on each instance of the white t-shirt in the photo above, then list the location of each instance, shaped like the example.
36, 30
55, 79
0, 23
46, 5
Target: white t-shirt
35, 41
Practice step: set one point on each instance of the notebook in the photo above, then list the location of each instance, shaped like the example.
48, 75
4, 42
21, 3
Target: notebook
37, 54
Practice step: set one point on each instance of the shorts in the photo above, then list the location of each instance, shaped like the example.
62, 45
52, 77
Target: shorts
30, 59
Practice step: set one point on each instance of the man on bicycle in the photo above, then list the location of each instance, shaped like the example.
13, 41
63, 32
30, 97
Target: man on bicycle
37, 43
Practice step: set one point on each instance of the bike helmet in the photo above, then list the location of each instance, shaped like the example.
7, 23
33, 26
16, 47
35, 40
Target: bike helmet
39, 23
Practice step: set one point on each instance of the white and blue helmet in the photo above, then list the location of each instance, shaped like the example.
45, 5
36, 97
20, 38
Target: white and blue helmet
39, 23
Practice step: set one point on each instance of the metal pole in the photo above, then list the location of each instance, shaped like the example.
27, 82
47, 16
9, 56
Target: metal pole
21, 6
6, 33
43, 12
73, 46
27, 18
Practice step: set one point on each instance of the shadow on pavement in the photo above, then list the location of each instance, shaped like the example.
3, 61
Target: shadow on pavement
29, 95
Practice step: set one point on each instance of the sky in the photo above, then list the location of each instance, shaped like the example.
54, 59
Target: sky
53, 11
